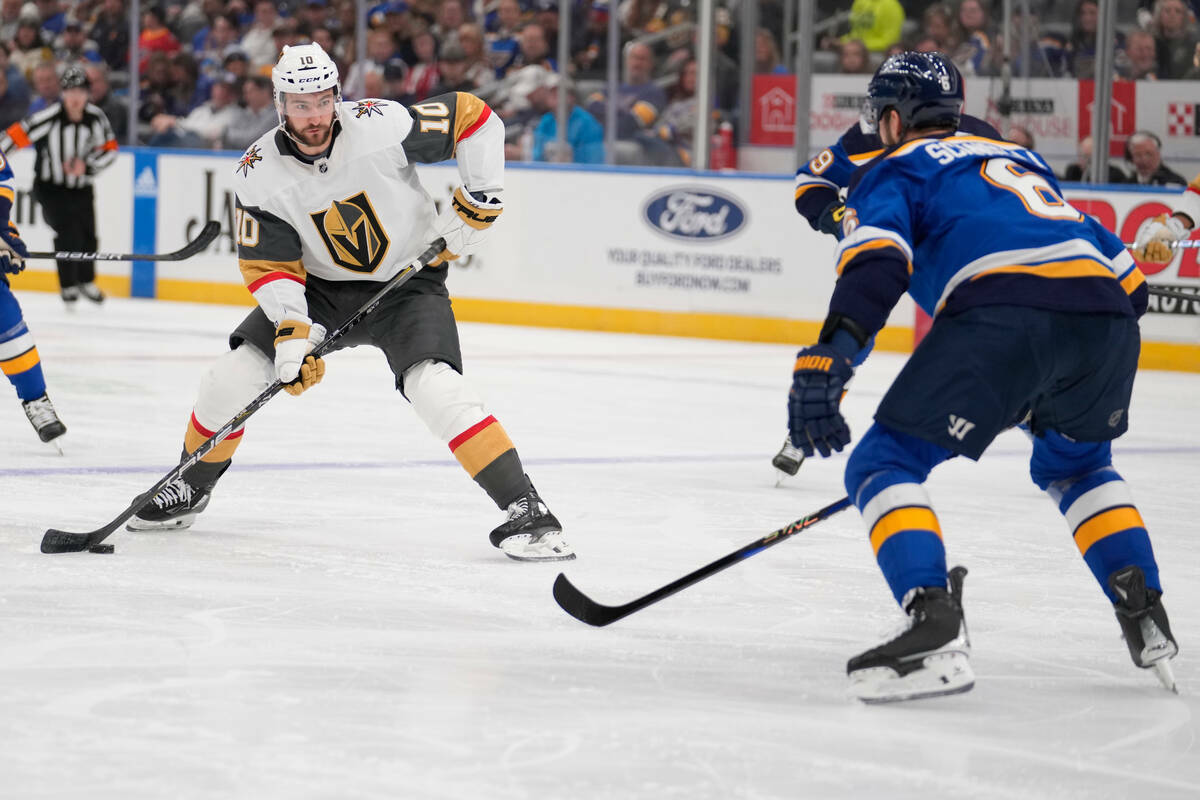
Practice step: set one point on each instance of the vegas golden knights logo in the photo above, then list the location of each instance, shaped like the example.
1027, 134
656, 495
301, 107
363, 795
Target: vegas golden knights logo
352, 233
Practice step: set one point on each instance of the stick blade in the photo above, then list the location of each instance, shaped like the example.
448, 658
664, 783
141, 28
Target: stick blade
582, 607
56, 541
207, 234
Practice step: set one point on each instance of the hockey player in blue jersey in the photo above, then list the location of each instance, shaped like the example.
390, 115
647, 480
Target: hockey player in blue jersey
820, 187
1035, 309
18, 356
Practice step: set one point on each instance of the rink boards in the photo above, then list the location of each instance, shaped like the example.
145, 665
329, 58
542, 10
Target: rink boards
646, 251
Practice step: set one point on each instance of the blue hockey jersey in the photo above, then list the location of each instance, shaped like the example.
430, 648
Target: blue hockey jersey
819, 182
7, 191
961, 221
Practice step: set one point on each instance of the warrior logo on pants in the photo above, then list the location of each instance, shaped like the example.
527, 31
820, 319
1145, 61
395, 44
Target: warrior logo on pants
352, 233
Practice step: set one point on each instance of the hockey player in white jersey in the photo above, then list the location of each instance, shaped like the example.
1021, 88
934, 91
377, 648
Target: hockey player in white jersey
329, 206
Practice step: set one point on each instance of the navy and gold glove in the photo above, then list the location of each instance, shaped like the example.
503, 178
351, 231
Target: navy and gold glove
818, 381
830, 220
12, 250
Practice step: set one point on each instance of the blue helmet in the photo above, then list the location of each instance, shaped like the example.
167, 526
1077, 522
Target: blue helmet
926, 89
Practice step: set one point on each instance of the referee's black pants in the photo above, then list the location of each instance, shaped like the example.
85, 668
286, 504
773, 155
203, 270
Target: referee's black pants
72, 215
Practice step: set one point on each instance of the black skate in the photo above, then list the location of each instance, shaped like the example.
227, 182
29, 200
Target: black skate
174, 508
531, 532
787, 461
44, 419
928, 659
92, 292
1143, 621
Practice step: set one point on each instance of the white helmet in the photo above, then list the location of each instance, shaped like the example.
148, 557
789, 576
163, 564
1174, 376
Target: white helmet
303, 69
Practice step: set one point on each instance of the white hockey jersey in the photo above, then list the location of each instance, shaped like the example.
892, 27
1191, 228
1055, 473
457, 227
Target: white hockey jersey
361, 213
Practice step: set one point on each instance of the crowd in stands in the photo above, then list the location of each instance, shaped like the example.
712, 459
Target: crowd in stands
204, 65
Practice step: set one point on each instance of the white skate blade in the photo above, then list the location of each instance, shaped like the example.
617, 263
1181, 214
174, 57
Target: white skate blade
547, 547
138, 525
942, 674
1162, 670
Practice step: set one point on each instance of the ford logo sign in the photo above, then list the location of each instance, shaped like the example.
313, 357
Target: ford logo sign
694, 214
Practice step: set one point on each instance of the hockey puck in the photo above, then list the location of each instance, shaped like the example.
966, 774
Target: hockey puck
101, 548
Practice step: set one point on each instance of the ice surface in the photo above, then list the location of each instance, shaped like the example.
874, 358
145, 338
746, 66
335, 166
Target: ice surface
337, 625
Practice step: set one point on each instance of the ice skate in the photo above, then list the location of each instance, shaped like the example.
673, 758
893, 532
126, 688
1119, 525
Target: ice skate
1144, 623
92, 292
531, 532
44, 419
70, 297
174, 508
787, 461
928, 659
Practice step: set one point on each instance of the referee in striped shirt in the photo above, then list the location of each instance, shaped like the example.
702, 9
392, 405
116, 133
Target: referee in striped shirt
74, 141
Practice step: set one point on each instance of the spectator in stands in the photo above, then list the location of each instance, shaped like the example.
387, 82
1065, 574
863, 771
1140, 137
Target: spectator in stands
29, 49
285, 33
313, 14
381, 48
52, 17
155, 36
1082, 44
116, 109
14, 92
189, 88
1141, 56
236, 63
452, 70
766, 54
677, 123
639, 17
259, 40
1049, 53
1144, 152
157, 93
1081, 169
194, 20
46, 90
450, 17
1019, 134
211, 45
853, 58
110, 30
639, 102
1174, 38
585, 136
546, 15
533, 48
325, 38
877, 23
502, 43
589, 44
423, 74
205, 126
470, 38
73, 45
10, 14
973, 32
937, 23
255, 118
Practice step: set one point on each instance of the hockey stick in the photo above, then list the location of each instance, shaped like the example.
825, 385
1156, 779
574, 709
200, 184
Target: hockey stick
584, 609
1178, 244
56, 541
1174, 294
203, 240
